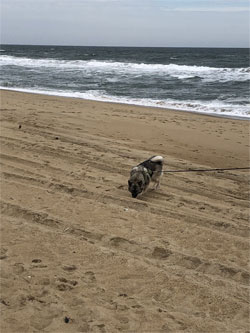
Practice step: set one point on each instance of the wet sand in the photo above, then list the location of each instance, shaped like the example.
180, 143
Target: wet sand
79, 254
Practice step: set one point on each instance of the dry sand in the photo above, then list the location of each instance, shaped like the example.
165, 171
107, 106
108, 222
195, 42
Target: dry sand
74, 243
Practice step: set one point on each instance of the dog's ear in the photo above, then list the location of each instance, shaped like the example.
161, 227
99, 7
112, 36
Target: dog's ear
129, 183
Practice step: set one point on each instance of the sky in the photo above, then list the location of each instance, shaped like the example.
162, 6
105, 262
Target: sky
159, 23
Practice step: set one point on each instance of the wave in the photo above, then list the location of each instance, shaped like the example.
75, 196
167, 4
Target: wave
215, 107
181, 72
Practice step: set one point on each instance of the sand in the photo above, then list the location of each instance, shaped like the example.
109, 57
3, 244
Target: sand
79, 254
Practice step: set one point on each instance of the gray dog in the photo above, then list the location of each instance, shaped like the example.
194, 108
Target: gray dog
143, 174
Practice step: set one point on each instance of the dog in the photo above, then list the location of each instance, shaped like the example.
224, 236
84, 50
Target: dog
143, 174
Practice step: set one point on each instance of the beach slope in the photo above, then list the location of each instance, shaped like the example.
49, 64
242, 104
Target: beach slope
79, 254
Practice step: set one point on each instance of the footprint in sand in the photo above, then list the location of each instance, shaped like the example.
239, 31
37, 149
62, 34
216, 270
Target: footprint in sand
71, 282
3, 253
36, 261
64, 284
99, 328
89, 277
69, 268
18, 268
64, 287
161, 253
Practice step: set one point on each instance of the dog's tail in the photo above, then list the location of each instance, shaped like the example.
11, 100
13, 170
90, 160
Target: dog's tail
157, 159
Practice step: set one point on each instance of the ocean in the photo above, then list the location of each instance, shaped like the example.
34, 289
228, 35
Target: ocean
204, 80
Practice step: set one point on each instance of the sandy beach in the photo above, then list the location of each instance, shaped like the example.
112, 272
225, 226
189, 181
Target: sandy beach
79, 254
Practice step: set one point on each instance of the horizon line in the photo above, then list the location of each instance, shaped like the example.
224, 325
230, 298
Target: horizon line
120, 46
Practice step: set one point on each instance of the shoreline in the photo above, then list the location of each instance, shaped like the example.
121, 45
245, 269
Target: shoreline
123, 103
160, 124
75, 245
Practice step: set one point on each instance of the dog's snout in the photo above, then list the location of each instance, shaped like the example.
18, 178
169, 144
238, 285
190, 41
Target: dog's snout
134, 195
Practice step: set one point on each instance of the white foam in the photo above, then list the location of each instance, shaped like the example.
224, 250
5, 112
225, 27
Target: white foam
212, 108
207, 74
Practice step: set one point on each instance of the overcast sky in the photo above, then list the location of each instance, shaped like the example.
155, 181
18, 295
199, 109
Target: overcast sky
204, 23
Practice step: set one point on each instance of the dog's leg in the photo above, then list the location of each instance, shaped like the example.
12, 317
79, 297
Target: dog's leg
157, 184
146, 188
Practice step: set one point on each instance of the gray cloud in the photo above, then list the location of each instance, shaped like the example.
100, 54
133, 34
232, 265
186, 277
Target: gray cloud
125, 22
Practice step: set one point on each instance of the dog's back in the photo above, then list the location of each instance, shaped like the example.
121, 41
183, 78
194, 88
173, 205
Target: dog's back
154, 163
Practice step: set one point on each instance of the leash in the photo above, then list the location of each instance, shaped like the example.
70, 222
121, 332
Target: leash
204, 170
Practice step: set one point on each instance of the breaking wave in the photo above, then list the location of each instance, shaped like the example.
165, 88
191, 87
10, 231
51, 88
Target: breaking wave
208, 74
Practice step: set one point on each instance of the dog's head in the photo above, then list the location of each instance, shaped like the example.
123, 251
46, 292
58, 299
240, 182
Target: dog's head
136, 184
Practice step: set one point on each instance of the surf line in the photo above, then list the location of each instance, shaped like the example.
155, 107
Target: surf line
204, 170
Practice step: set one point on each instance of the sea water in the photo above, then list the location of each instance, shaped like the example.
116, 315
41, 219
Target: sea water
204, 80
